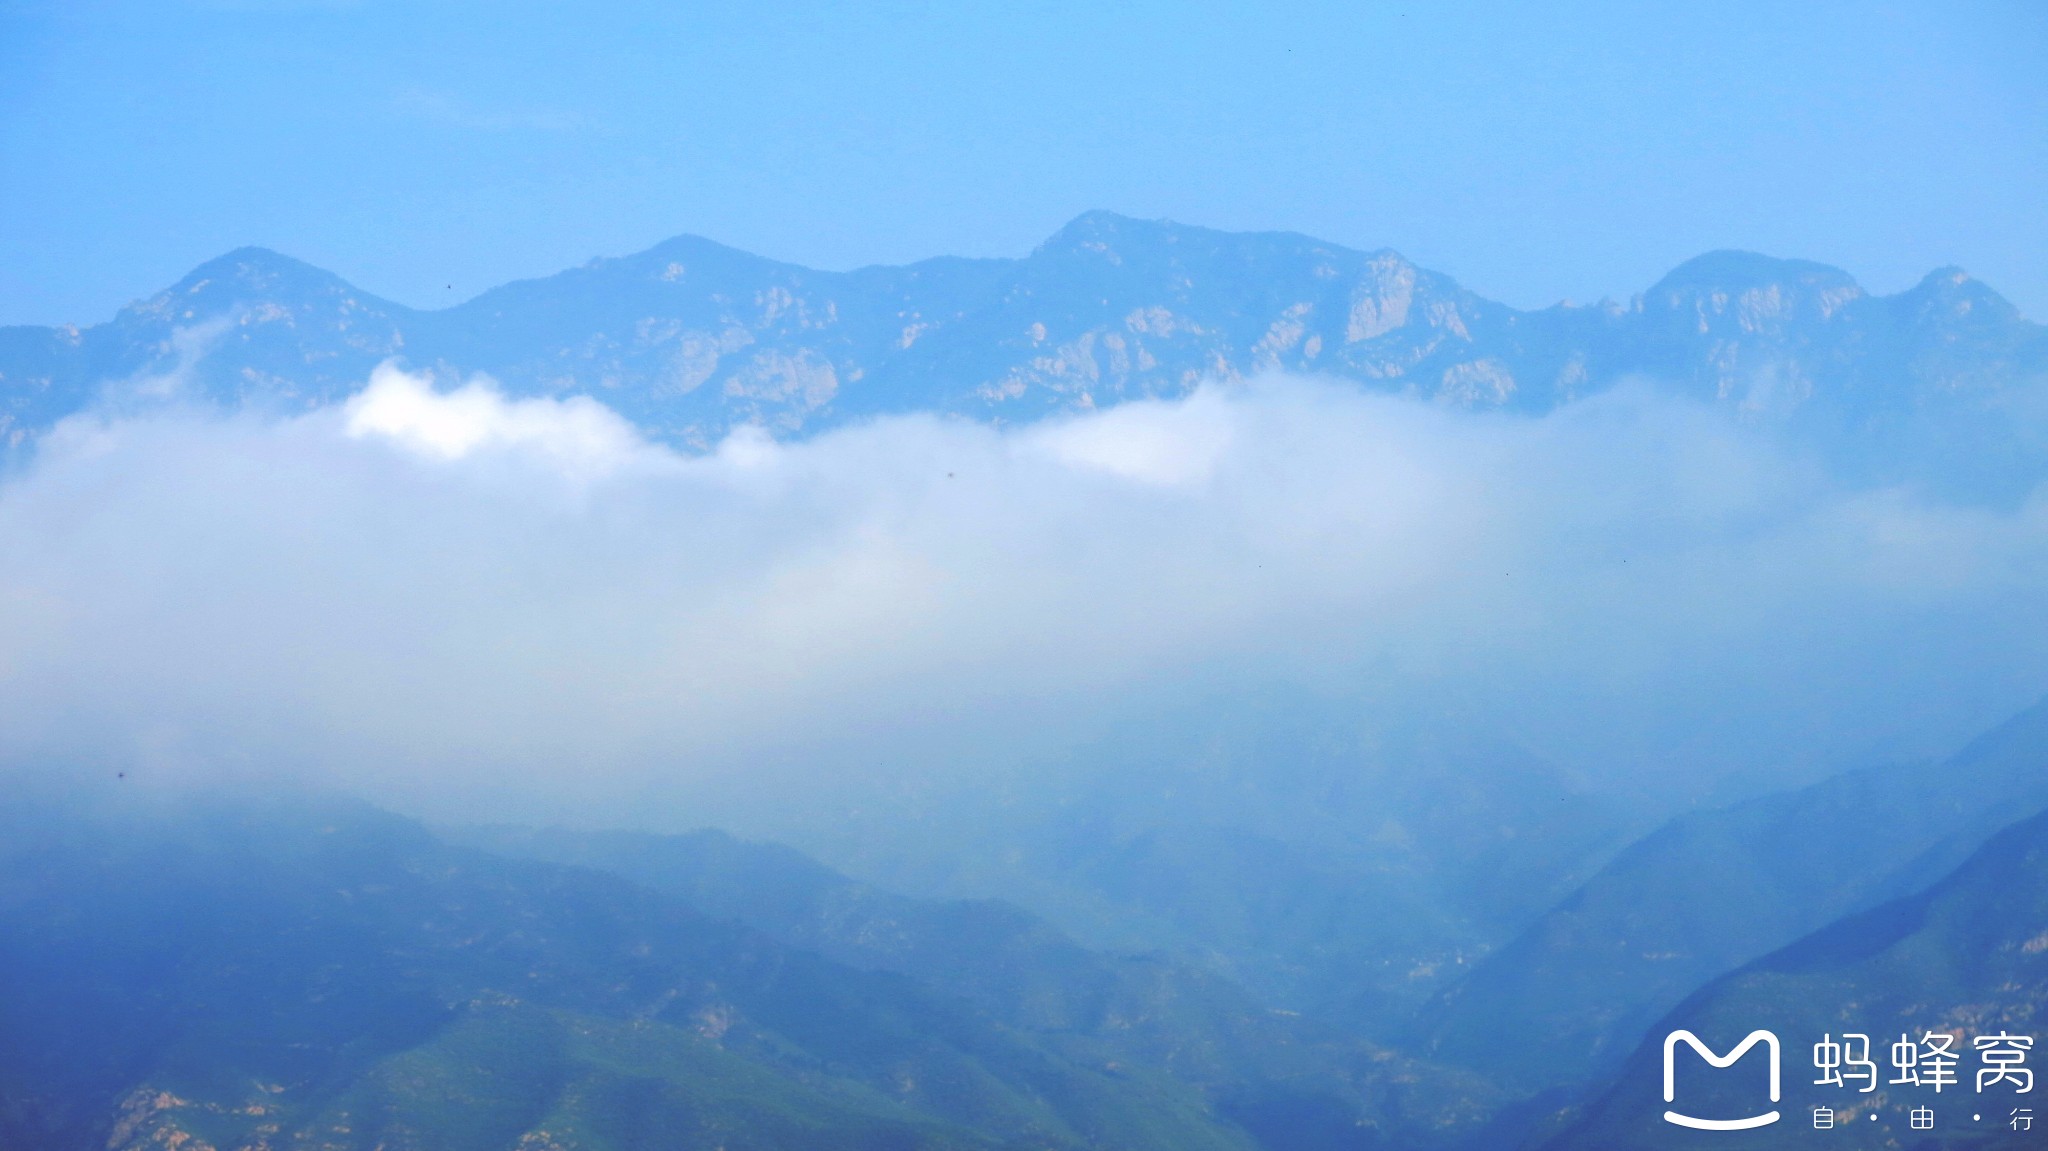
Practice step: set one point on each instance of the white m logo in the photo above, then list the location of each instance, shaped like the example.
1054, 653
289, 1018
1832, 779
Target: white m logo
1671, 1086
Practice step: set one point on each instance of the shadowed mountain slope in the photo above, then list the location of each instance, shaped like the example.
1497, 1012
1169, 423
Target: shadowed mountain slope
322, 975
302, 973
1713, 890
1967, 957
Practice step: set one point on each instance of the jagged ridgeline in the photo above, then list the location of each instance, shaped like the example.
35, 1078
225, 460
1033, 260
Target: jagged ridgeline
690, 339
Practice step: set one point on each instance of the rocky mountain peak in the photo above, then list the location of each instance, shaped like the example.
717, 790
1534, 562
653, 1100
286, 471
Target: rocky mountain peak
1750, 293
254, 271
691, 338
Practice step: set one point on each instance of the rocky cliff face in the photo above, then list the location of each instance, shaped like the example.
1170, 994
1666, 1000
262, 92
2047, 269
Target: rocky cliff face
691, 339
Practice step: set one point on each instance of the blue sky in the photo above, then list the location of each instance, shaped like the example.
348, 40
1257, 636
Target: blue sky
427, 151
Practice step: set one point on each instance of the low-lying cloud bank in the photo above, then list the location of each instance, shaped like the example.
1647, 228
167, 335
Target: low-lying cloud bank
453, 598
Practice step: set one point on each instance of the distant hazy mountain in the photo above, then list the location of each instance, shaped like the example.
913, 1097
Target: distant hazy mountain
1713, 890
1290, 1081
1968, 956
299, 974
335, 978
1330, 865
690, 338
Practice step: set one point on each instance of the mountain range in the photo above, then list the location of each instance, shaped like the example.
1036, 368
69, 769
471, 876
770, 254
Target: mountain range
301, 971
1244, 923
289, 970
1944, 383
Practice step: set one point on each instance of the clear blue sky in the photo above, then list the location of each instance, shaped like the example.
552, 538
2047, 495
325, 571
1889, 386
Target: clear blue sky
1536, 151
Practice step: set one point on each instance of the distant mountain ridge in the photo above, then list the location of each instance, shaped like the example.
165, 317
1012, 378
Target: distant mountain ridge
691, 338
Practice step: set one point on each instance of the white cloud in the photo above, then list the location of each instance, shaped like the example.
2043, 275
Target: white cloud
578, 435
1156, 442
522, 601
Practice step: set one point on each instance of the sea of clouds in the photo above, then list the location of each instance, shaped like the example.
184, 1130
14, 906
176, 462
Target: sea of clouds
465, 603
